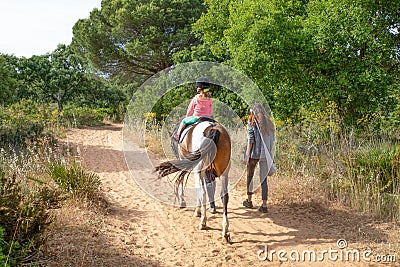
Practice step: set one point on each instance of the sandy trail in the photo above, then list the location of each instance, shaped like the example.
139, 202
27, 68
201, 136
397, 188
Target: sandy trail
140, 231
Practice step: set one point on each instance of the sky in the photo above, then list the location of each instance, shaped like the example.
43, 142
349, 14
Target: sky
36, 27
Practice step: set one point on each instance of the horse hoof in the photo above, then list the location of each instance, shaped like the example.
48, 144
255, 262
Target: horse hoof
202, 227
212, 210
227, 237
197, 213
182, 204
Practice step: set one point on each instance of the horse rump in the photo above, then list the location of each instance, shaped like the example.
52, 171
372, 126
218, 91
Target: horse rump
187, 164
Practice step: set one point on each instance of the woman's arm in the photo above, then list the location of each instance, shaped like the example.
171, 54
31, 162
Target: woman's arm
248, 151
250, 142
190, 109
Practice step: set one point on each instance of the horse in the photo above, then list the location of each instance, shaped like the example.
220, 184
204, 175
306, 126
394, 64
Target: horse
205, 148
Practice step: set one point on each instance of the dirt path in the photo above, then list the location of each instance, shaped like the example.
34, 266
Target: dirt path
140, 231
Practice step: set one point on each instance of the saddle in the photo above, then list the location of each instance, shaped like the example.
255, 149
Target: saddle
188, 127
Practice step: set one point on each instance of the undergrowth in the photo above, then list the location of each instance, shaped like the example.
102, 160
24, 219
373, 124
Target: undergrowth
36, 178
358, 169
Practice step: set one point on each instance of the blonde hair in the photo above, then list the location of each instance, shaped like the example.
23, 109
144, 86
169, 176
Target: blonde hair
208, 94
263, 119
205, 94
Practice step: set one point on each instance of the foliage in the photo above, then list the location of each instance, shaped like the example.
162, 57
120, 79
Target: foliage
379, 165
3, 249
212, 25
102, 94
199, 52
357, 52
306, 53
74, 179
23, 216
57, 76
361, 171
369, 179
8, 83
28, 192
24, 122
28, 122
172, 99
8, 252
84, 116
132, 39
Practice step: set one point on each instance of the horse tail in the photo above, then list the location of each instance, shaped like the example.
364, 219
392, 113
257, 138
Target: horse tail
213, 134
207, 149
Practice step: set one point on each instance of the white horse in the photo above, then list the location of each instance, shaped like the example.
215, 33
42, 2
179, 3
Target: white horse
206, 147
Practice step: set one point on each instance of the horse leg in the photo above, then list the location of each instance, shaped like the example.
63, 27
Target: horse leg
182, 202
201, 199
225, 200
210, 187
197, 211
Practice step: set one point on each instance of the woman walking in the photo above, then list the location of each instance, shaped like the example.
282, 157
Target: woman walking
260, 143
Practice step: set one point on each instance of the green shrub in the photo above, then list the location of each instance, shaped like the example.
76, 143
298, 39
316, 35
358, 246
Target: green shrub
27, 191
24, 122
8, 250
84, 116
351, 166
373, 175
3, 249
379, 165
74, 179
23, 216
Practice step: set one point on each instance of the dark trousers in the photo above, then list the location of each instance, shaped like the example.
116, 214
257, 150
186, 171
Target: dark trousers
263, 177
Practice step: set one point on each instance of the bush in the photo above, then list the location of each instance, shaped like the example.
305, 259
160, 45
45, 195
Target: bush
8, 251
25, 122
379, 165
83, 116
23, 218
373, 174
27, 191
349, 166
74, 179
3, 249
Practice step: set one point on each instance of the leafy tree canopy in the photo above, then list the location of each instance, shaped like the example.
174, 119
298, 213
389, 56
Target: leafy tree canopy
8, 82
133, 39
56, 76
309, 53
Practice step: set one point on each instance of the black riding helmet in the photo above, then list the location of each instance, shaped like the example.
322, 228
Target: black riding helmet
202, 82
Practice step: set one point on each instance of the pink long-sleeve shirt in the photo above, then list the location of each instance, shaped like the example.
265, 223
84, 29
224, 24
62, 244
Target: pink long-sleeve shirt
199, 107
